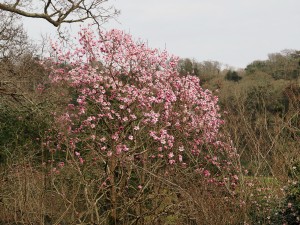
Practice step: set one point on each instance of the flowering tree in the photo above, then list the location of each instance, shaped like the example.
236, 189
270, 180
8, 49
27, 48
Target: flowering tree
133, 126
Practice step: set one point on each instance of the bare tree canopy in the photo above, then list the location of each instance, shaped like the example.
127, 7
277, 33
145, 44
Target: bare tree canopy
13, 38
58, 12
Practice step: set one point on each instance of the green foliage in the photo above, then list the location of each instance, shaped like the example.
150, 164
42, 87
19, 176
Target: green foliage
186, 66
20, 133
206, 70
257, 94
232, 76
256, 66
264, 200
289, 212
284, 65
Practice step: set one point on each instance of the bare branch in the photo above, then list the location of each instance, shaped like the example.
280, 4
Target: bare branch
13, 38
47, 6
16, 4
58, 12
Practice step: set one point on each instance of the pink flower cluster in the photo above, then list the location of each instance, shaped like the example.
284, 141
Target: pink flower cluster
134, 97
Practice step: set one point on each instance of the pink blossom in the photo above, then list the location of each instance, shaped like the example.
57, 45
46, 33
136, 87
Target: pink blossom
180, 158
133, 116
171, 161
118, 149
160, 156
130, 137
115, 136
125, 148
170, 155
206, 173
81, 160
235, 177
181, 148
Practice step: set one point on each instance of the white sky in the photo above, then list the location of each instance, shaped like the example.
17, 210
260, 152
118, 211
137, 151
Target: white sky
234, 32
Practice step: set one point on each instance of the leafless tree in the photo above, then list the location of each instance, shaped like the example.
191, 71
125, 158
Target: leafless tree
58, 12
13, 38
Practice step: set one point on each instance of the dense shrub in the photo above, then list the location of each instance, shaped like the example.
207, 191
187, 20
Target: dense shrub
289, 210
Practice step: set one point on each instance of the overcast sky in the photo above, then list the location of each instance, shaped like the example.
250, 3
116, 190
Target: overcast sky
234, 32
